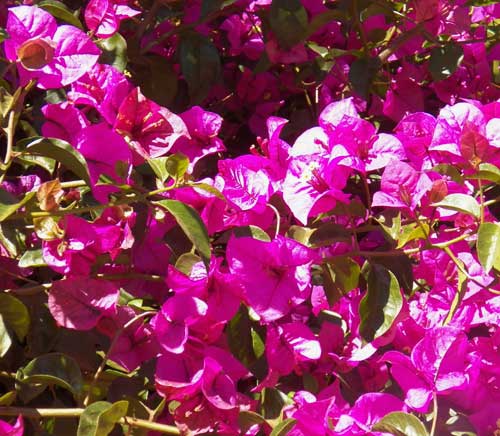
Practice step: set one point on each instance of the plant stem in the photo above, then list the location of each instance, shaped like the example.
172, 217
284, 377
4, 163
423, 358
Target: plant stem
435, 417
35, 413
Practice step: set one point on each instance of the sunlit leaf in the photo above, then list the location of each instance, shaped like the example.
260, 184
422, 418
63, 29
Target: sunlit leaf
100, 418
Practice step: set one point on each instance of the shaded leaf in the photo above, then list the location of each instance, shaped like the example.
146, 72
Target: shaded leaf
210, 6
288, 20
52, 369
401, 424
329, 233
15, 315
460, 203
381, 304
488, 246
200, 65
59, 10
445, 60
100, 418
362, 73
192, 225
62, 152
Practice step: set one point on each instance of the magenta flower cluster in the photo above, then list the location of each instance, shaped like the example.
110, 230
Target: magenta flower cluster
263, 262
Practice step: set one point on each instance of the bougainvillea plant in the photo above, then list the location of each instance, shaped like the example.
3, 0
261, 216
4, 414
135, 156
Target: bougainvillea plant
260, 218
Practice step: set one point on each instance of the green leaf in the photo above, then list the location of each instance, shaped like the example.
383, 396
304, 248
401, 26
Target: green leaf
177, 165
62, 152
340, 277
445, 60
273, 400
46, 163
8, 398
461, 203
15, 315
192, 225
487, 171
247, 419
252, 232
9, 203
258, 345
283, 427
200, 65
32, 258
3, 35
100, 418
488, 246
52, 369
5, 339
461, 289
288, 20
239, 337
114, 51
411, 232
158, 165
208, 188
6, 100
185, 263
401, 424
381, 304
59, 10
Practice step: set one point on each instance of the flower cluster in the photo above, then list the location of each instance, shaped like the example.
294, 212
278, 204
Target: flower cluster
305, 242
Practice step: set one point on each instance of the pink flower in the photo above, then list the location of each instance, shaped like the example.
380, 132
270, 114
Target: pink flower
54, 56
171, 325
103, 17
245, 185
63, 121
78, 303
75, 252
313, 185
367, 411
102, 87
203, 127
151, 129
402, 187
287, 346
134, 345
275, 275
436, 365
12, 430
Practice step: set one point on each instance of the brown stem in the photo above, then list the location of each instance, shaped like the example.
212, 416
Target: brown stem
37, 413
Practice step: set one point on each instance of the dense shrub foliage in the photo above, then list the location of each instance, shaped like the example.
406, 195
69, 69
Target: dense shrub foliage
249, 217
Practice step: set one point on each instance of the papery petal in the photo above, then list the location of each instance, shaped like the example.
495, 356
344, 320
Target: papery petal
78, 303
